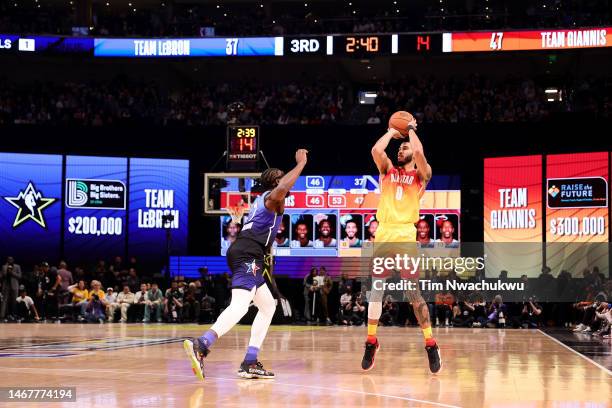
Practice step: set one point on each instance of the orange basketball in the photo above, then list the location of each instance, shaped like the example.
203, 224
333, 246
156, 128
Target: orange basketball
400, 120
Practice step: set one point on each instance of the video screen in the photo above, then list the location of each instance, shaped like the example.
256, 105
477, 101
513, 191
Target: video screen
336, 215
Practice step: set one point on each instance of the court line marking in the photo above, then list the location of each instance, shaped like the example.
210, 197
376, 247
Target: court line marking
577, 353
237, 380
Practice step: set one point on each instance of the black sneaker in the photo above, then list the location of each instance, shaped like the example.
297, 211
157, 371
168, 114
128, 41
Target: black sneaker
196, 351
433, 354
254, 370
368, 356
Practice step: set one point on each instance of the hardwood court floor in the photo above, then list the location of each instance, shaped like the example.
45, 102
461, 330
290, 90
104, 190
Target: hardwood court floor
135, 365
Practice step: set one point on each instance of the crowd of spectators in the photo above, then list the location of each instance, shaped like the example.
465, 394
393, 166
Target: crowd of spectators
118, 102
477, 99
108, 293
582, 304
56, 293
253, 18
468, 100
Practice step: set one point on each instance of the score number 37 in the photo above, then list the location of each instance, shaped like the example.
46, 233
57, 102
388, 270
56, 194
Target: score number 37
231, 46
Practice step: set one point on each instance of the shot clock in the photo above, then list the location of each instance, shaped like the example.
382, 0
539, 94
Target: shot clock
242, 146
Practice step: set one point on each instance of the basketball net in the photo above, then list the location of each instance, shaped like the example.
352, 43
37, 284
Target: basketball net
236, 212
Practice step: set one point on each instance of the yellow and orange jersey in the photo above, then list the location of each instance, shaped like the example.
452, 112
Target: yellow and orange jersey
400, 193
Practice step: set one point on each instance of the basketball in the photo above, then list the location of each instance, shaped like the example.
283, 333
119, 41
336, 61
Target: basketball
400, 120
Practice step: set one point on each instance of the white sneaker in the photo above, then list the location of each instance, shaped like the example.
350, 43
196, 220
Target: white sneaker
579, 328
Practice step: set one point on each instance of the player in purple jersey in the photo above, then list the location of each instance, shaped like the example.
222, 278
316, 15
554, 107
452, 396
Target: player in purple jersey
245, 258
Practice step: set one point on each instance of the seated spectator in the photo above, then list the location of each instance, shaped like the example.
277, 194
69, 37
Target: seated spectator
531, 314
191, 305
443, 308
140, 299
173, 303
26, 310
389, 312
124, 300
346, 306
359, 310
605, 315
586, 314
497, 313
480, 312
67, 280
464, 314
132, 279
153, 303
94, 309
80, 295
111, 298
207, 312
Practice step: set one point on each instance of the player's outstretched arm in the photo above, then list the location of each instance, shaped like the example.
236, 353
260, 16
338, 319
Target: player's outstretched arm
378, 150
277, 196
423, 168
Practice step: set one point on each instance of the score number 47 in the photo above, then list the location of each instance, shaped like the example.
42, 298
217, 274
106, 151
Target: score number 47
496, 41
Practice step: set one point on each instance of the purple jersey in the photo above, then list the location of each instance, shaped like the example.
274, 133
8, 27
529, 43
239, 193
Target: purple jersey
261, 224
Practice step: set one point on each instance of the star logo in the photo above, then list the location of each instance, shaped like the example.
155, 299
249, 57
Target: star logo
30, 203
252, 267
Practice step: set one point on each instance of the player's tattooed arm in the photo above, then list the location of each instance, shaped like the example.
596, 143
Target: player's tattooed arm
383, 163
423, 168
277, 196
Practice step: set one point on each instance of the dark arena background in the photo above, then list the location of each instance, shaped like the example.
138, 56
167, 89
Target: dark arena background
133, 134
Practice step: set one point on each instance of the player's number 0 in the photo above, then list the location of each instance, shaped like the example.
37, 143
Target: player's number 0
399, 192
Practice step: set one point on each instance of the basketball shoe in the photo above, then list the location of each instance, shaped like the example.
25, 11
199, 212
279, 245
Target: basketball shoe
254, 370
367, 363
196, 351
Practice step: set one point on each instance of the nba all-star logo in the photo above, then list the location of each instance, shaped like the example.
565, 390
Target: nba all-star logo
30, 203
252, 267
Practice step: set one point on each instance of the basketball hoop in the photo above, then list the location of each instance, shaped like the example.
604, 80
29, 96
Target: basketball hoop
236, 212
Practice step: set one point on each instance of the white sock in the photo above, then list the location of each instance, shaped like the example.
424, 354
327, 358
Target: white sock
374, 310
267, 306
233, 313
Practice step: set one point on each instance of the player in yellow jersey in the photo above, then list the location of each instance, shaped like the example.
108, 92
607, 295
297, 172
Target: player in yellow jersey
398, 211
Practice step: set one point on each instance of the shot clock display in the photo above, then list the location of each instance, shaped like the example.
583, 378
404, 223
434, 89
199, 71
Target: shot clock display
242, 146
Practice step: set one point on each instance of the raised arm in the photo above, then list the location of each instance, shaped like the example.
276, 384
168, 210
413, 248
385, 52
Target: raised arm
383, 163
423, 168
276, 198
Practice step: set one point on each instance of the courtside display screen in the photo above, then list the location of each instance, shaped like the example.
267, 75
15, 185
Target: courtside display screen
110, 205
30, 205
158, 206
95, 207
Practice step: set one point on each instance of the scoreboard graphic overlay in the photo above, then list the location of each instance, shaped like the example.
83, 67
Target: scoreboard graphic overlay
527, 40
336, 215
351, 46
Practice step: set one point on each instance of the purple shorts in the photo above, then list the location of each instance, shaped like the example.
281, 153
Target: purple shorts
245, 259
